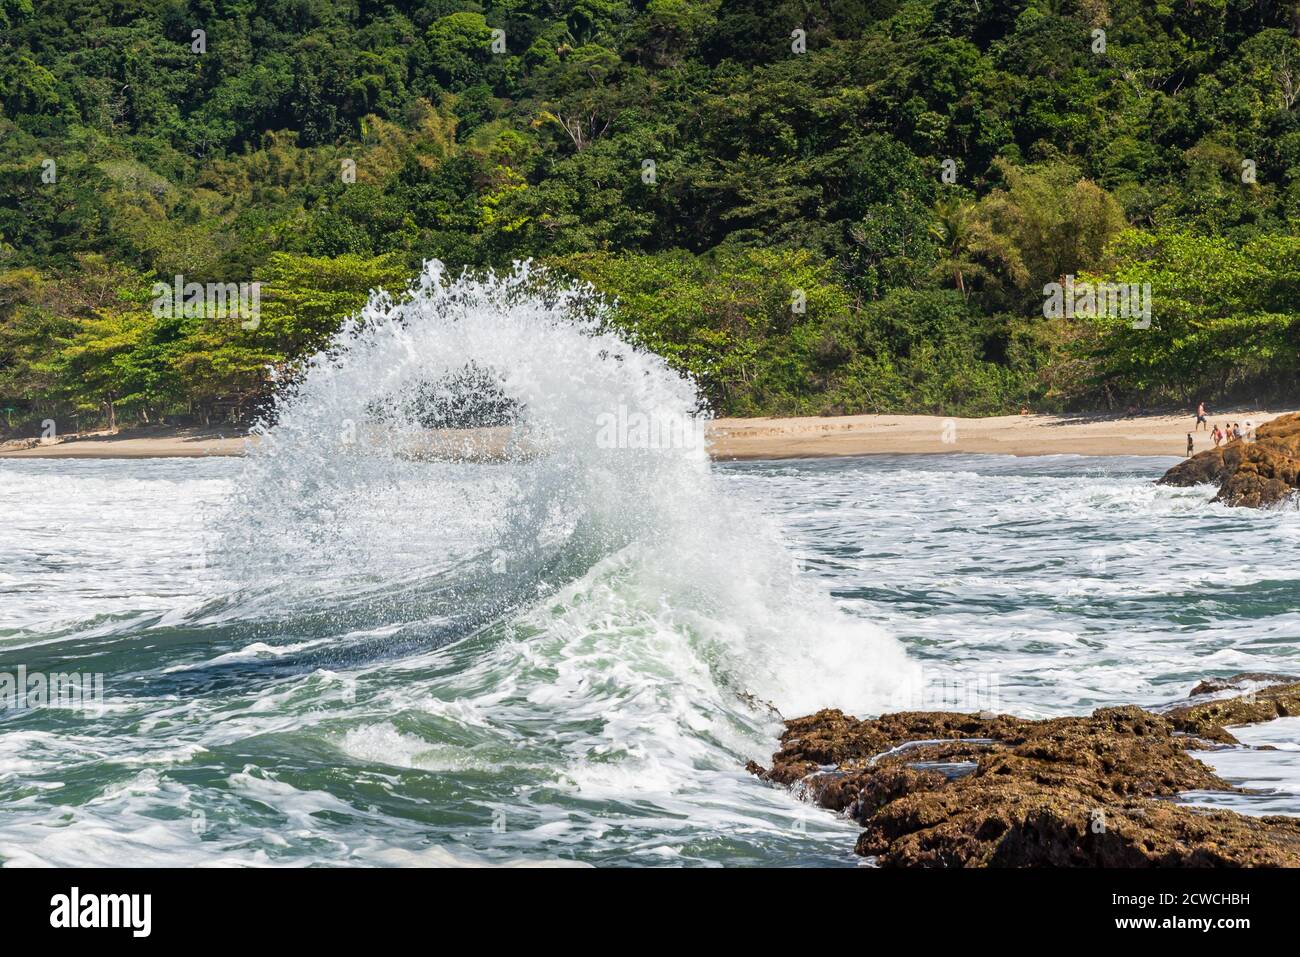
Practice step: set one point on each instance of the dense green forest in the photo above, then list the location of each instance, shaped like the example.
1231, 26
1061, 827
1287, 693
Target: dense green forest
814, 206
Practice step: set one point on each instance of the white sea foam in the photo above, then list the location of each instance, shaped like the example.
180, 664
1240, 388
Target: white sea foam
676, 559
342, 652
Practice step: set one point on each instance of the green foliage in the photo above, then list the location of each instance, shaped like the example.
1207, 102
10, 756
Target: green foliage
1051, 223
820, 168
770, 332
115, 352
306, 297
1224, 314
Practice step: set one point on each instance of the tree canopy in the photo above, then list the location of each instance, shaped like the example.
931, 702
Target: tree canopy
919, 169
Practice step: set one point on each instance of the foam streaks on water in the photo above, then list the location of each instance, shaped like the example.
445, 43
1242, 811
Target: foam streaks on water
345, 650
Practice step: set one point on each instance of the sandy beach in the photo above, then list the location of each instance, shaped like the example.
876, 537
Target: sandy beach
1082, 434
160, 443
775, 438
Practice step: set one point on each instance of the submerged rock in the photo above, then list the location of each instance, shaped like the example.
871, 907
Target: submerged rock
942, 789
1251, 474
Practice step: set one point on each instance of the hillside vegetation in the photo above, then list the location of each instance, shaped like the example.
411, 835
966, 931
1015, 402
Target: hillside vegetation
823, 206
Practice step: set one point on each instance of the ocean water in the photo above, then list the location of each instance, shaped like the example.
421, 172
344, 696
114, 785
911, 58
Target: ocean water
337, 652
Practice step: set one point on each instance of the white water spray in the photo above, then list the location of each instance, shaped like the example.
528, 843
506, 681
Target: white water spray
353, 500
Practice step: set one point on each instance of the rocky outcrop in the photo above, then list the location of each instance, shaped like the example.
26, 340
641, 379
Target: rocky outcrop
1241, 682
18, 445
1210, 718
941, 789
1252, 474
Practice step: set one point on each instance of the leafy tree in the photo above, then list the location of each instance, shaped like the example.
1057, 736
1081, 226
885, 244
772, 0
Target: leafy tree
1054, 223
1225, 316
306, 298
816, 162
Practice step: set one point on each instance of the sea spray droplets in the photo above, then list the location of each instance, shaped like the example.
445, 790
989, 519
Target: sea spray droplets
397, 527
402, 523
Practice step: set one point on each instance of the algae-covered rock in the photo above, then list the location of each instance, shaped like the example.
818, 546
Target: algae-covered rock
944, 789
1277, 701
1239, 681
996, 823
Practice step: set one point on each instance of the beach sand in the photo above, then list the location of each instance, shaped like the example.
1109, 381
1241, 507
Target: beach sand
1083, 434
771, 438
158, 443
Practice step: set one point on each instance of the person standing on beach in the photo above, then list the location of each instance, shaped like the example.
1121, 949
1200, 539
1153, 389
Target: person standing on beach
1217, 435
1189, 444
1200, 416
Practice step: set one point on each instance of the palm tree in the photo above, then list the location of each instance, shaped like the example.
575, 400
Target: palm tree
956, 230
970, 248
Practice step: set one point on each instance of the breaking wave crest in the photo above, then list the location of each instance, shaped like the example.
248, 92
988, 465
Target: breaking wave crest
452, 461
454, 605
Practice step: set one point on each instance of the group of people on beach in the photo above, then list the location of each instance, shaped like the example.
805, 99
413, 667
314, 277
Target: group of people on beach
1228, 433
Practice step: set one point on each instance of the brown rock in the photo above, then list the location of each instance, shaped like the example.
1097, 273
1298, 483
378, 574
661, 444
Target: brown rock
832, 737
886, 785
1255, 474
1204, 468
1238, 682
1078, 791
1278, 701
1000, 824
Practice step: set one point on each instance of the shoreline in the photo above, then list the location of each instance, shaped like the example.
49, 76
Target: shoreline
1023, 435
734, 439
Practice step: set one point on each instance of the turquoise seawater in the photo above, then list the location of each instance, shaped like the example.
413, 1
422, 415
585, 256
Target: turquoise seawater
484, 664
